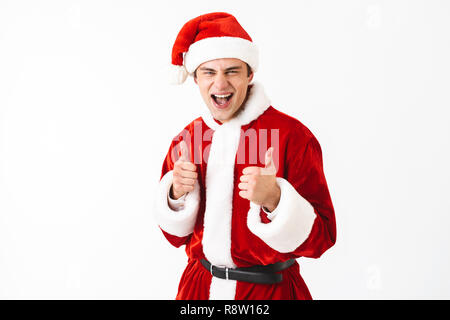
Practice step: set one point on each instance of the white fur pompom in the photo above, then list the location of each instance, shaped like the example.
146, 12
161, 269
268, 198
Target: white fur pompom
177, 74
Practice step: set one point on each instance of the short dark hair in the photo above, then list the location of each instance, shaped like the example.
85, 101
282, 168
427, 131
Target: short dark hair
249, 71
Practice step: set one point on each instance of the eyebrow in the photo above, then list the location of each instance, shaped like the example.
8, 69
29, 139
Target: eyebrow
227, 69
233, 68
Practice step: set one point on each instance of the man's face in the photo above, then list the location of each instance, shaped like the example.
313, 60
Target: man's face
223, 84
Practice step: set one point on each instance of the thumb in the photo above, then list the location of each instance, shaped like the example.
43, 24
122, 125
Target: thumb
185, 154
269, 167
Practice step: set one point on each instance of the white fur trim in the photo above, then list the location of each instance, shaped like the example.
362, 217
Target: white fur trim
178, 223
292, 224
219, 188
177, 74
219, 206
221, 47
219, 195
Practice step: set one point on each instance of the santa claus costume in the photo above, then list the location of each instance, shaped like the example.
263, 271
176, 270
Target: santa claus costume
216, 225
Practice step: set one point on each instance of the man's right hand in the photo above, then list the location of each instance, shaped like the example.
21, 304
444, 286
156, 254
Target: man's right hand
184, 173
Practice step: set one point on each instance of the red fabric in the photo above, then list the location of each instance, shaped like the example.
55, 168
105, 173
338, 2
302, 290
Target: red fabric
216, 24
300, 163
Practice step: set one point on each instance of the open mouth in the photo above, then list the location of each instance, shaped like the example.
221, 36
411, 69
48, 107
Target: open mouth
222, 101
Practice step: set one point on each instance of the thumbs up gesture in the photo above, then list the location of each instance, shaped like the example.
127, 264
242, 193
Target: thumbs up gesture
184, 173
259, 185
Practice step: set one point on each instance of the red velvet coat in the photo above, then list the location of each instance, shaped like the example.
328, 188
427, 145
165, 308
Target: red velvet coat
218, 225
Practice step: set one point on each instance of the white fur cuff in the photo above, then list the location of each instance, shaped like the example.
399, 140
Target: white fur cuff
292, 223
178, 223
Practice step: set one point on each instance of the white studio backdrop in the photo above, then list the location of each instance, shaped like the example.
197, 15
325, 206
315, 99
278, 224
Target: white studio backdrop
87, 115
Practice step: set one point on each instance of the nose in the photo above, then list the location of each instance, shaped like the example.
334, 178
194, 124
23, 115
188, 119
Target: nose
221, 82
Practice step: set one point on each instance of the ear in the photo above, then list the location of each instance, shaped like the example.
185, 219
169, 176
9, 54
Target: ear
250, 77
194, 75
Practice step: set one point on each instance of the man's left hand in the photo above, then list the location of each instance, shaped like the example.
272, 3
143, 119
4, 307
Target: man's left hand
259, 185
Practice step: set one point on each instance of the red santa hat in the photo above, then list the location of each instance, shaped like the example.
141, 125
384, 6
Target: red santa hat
211, 36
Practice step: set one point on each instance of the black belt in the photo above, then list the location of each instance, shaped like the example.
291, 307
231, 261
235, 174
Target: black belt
256, 274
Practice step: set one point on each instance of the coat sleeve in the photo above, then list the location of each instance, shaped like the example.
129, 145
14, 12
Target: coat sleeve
304, 221
176, 225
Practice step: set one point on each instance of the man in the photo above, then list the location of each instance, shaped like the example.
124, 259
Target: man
242, 186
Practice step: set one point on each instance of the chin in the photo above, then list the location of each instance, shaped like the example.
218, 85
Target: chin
222, 119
